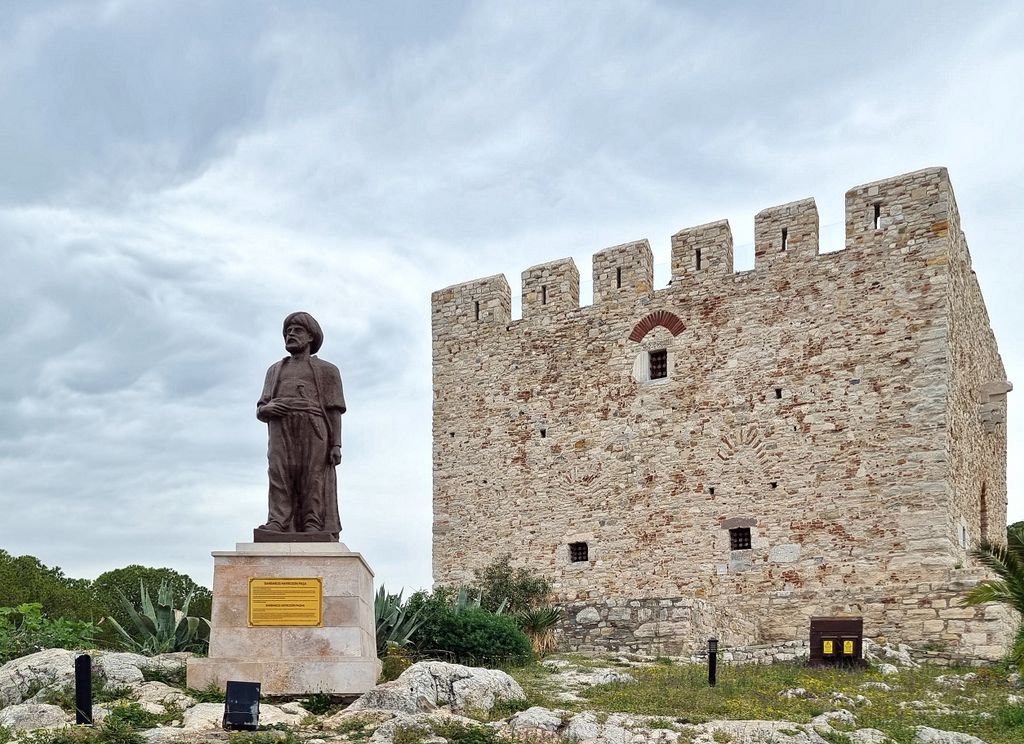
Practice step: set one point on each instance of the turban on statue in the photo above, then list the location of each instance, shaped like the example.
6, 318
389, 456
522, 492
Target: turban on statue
308, 322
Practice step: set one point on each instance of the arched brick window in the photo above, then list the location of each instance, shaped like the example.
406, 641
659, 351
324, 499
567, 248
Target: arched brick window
659, 318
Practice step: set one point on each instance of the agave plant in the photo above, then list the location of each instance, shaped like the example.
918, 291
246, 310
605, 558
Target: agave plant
1007, 562
465, 600
395, 624
161, 628
539, 626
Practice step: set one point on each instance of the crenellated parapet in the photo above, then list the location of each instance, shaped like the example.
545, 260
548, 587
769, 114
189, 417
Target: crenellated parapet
464, 307
908, 213
625, 270
550, 288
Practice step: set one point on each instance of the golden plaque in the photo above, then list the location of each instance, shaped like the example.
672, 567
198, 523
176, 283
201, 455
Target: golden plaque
286, 602
848, 648
826, 648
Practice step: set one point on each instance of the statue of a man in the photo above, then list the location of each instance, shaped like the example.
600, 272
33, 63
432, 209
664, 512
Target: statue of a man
302, 403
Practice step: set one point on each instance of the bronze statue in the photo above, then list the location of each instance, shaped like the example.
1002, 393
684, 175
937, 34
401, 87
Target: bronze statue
302, 403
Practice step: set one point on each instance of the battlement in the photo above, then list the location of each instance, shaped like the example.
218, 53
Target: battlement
909, 214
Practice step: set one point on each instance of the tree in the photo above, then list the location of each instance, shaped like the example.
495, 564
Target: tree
1007, 562
25, 579
513, 589
109, 587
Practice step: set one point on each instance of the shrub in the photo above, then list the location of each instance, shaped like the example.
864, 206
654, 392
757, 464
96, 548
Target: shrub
395, 622
539, 626
161, 627
472, 636
24, 630
499, 582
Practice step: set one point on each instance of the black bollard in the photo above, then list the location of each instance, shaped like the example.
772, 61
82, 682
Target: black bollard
712, 661
83, 689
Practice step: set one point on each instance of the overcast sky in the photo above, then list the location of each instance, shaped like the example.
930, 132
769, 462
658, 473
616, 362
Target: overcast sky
175, 177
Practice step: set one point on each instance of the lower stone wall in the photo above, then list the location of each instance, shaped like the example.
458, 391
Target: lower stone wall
674, 626
929, 617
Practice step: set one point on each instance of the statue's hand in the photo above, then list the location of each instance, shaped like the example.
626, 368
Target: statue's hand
273, 409
336, 455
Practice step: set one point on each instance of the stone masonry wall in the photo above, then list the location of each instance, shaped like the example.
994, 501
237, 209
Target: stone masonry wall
828, 403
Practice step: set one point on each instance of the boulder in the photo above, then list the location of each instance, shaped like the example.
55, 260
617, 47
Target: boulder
119, 669
536, 720
30, 716
868, 736
209, 716
926, 735
429, 684
157, 693
23, 677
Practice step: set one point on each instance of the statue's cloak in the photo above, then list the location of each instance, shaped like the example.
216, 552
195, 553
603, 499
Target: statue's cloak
332, 398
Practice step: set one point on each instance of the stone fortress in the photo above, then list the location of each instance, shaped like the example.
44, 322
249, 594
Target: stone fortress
737, 452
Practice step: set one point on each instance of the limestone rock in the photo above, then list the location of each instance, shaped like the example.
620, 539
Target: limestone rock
842, 715
868, 736
30, 716
956, 681
209, 716
536, 719
588, 616
888, 670
797, 692
53, 667
160, 694
429, 684
898, 653
926, 735
120, 669
756, 732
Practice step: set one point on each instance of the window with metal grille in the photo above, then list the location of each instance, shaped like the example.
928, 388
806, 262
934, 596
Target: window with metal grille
658, 362
578, 552
739, 538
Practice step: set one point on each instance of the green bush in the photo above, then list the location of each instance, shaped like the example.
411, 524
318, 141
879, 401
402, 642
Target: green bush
109, 587
517, 588
24, 630
472, 636
161, 627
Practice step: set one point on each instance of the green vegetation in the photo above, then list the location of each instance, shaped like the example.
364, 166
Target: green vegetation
394, 621
466, 634
1007, 562
110, 587
539, 626
455, 732
514, 589
24, 630
64, 602
160, 628
679, 692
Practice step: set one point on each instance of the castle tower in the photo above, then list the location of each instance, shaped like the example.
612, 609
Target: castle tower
739, 451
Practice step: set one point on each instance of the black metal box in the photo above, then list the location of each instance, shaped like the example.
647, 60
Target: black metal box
837, 640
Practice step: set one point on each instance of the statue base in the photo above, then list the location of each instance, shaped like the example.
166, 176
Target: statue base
338, 656
260, 535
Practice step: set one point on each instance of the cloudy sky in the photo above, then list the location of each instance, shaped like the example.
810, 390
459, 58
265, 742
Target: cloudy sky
177, 176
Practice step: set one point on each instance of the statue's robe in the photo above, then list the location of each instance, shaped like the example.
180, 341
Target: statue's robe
299, 452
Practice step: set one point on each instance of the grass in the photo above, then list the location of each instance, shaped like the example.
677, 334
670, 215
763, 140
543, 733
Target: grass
680, 691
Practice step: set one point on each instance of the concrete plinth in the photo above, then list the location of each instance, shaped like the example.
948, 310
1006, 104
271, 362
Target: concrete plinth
338, 657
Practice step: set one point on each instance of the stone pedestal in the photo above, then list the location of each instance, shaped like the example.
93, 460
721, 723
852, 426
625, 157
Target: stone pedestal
338, 657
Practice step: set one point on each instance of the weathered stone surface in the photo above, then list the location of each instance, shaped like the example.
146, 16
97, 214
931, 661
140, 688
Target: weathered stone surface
926, 735
208, 716
536, 719
29, 716
828, 403
47, 669
429, 684
120, 669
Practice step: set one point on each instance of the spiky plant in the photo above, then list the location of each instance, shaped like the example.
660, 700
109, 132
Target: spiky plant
1006, 562
161, 628
395, 623
539, 626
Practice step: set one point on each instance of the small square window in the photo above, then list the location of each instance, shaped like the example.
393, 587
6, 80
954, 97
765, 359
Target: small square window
739, 538
578, 552
658, 361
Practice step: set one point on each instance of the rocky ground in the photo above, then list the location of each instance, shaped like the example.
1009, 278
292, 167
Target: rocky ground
431, 703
